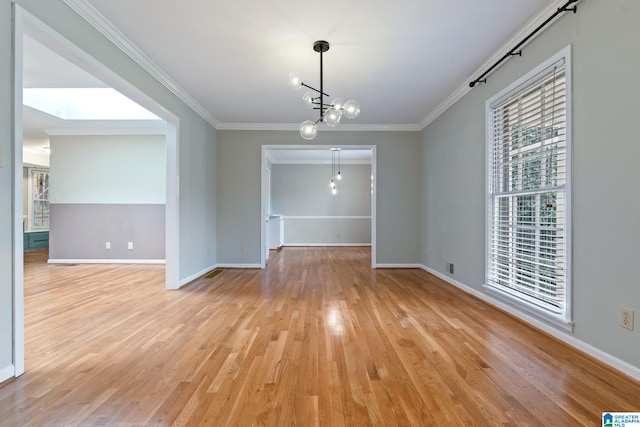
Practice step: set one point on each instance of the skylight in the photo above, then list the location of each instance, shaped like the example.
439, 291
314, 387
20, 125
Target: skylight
85, 104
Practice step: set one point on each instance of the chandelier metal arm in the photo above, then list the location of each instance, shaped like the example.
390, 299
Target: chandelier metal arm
312, 88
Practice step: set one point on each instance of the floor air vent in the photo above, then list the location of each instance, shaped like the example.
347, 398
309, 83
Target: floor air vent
213, 273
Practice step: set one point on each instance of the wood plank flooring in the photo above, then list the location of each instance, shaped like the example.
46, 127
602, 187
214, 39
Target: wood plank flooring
317, 338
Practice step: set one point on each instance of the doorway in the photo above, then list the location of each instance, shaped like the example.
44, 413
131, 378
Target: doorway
28, 25
307, 154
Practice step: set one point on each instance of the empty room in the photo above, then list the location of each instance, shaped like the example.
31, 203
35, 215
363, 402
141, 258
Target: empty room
384, 213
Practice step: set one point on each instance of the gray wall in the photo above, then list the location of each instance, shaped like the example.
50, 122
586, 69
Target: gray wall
80, 231
604, 37
327, 231
197, 151
108, 169
398, 172
303, 190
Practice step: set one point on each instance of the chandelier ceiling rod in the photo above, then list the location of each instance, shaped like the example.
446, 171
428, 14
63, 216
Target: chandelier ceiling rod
321, 47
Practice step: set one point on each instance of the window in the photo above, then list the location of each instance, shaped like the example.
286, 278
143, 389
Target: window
38, 198
528, 192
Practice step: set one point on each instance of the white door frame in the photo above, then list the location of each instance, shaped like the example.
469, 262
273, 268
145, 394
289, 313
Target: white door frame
25, 23
263, 201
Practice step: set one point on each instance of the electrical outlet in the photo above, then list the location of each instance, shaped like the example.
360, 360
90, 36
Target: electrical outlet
243, 249
107, 245
626, 318
130, 246
450, 267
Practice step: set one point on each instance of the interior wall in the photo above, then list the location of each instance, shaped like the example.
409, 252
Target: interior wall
239, 170
315, 216
107, 188
605, 175
198, 196
196, 152
108, 169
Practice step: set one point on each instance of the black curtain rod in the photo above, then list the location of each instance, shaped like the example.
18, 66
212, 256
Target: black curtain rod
515, 51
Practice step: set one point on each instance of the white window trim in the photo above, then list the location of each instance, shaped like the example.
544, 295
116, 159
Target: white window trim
29, 225
563, 321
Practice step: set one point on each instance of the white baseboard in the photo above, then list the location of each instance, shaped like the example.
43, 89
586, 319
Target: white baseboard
619, 364
247, 266
106, 261
7, 373
326, 244
382, 265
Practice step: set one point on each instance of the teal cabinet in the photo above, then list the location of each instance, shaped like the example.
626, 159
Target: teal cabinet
36, 240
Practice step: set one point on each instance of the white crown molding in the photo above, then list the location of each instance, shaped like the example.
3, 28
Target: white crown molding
257, 126
464, 88
106, 28
105, 131
342, 127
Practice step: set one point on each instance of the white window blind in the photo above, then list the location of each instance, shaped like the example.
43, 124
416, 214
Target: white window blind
528, 192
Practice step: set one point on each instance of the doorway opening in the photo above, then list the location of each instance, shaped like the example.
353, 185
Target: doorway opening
28, 27
315, 217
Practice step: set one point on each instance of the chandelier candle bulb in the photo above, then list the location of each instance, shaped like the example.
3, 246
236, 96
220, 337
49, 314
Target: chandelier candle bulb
309, 99
295, 80
332, 117
338, 104
308, 129
351, 109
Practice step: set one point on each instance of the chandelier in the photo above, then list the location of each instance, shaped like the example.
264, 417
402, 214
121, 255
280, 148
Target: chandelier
330, 114
335, 172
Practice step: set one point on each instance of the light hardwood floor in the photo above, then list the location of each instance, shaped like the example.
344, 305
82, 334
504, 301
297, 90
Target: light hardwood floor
318, 338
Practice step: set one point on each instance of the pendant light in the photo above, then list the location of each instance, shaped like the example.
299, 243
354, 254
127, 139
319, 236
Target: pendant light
330, 114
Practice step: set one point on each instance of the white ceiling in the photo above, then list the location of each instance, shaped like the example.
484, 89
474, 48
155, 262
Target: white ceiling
400, 60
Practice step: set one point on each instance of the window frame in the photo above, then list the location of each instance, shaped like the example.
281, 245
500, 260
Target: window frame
30, 202
563, 320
